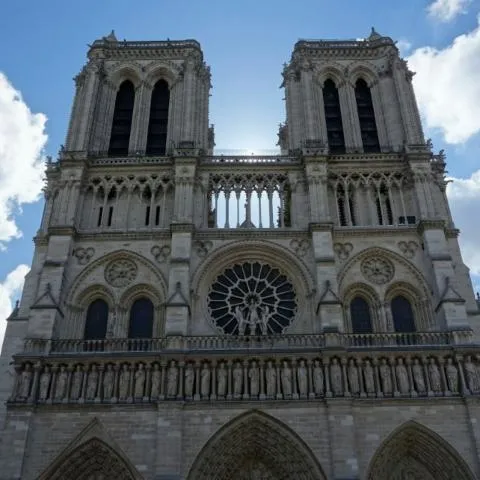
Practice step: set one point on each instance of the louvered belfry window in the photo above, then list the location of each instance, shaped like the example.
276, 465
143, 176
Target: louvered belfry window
333, 118
366, 117
122, 119
158, 123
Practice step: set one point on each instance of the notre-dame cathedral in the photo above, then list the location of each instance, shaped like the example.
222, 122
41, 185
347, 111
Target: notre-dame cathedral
196, 316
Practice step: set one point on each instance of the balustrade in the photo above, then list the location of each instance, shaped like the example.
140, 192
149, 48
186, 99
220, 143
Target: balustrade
258, 377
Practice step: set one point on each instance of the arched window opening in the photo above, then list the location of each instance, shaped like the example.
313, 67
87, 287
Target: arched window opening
366, 117
96, 321
360, 316
122, 119
384, 206
158, 123
141, 319
342, 217
333, 118
402, 313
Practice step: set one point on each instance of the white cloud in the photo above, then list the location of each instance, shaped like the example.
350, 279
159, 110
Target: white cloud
404, 46
447, 86
22, 140
10, 290
447, 10
464, 197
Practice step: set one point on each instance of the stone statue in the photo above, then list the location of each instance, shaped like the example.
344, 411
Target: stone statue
237, 379
205, 380
254, 375
25, 381
302, 379
124, 382
271, 377
77, 383
139, 381
336, 377
317, 378
471, 375
156, 380
189, 380
172, 380
108, 382
452, 376
61, 384
386, 377
353, 377
221, 380
265, 315
402, 377
253, 317
418, 378
368, 376
240, 320
44, 383
92, 382
434, 373
286, 378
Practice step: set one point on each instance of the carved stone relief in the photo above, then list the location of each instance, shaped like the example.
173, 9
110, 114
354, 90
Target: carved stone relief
160, 254
202, 248
83, 255
408, 248
120, 273
343, 250
377, 270
300, 246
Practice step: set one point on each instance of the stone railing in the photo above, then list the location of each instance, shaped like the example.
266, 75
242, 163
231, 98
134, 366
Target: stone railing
277, 343
250, 159
247, 376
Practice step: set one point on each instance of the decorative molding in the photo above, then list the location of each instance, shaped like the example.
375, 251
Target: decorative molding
300, 246
161, 254
121, 272
377, 270
408, 248
343, 250
202, 247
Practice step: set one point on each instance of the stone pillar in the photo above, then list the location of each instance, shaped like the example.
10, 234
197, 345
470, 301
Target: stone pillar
378, 109
294, 112
351, 124
140, 119
316, 174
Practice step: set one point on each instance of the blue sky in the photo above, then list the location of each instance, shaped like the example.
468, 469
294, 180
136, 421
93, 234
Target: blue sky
44, 44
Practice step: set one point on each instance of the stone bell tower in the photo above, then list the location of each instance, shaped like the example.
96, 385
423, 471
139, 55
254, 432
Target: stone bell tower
192, 316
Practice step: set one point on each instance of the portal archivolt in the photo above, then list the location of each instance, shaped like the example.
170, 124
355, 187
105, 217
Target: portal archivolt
255, 446
414, 452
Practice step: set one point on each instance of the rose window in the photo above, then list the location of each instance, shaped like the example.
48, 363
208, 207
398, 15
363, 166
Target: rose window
252, 299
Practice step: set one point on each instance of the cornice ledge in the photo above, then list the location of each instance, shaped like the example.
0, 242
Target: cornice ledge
122, 236
432, 224
182, 227
361, 231
249, 233
321, 227
62, 230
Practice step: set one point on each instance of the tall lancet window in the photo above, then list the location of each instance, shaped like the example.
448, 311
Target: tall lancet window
157, 126
366, 117
333, 118
122, 119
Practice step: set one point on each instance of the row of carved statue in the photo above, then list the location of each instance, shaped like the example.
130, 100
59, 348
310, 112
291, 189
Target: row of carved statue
146, 381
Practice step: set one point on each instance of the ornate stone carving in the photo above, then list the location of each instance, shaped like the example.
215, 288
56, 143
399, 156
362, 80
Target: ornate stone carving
336, 378
205, 381
189, 380
260, 300
318, 388
61, 384
385, 377
353, 377
92, 382
452, 376
271, 379
435, 379
124, 382
286, 379
161, 254
108, 382
254, 376
172, 380
368, 377
120, 273
343, 250
471, 375
417, 371
237, 380
377, 270
83, 255
45, 378
302, 379
402, 377
77, 380
24, 383
300, 246
408, 248
139, 388
202, 248
221, 380
156, 380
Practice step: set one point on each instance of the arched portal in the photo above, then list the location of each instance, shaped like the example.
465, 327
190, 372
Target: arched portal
92, 460
415, 452
255, 446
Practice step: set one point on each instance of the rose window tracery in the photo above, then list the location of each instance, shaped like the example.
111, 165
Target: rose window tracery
377, 270
252, 299
120, 273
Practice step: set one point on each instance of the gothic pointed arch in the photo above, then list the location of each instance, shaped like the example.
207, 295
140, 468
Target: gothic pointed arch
415, 450
255, 444
122, 119
366, 115
333, 117
158, 121
91, 455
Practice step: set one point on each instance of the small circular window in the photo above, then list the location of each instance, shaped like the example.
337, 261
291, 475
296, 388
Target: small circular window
252, 299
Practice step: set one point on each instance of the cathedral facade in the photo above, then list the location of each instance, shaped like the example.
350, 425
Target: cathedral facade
193, 316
